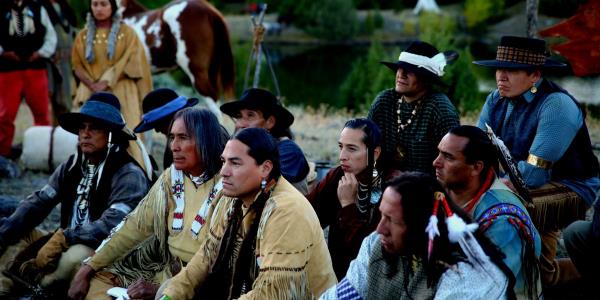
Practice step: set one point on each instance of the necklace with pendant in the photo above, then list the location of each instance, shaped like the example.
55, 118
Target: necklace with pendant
401, 125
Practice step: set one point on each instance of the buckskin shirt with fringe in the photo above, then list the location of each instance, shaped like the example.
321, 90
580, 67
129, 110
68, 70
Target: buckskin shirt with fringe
291, 255
143, 245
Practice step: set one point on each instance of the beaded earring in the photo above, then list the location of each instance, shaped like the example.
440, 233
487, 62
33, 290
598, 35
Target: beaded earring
375, 173
533, 89
263, 184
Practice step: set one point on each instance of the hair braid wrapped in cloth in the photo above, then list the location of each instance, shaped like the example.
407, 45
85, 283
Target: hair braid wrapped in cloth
481, 264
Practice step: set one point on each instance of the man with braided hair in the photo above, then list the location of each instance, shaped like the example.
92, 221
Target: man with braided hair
263, 239
466, 166
413, 256
163, 232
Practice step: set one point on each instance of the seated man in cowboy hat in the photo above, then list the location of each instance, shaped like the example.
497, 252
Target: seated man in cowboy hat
260, 108
412, 116
159, 107
544, 129
95, 188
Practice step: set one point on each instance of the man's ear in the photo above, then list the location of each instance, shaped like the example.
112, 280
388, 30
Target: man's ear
535, 76
270, 123
376, 152
265, 168
477, 168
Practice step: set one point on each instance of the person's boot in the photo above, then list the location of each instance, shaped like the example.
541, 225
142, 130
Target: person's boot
548, 265
567, 272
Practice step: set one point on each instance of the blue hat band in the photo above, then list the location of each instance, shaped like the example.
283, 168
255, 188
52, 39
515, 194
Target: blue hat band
165, 110
102, 111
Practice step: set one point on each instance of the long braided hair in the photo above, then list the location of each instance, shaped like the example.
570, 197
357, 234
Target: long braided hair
234, 276
372, 139
417, 192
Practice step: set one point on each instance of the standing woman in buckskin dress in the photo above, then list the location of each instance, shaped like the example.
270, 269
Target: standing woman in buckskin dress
108, 56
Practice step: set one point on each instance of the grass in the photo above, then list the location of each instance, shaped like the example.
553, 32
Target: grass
315, 130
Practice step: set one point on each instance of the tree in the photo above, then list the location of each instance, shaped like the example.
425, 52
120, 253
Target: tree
532, 18
367, 78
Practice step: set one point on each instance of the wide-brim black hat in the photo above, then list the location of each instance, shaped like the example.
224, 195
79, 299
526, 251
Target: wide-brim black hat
520, 53
418, 58
262, 100
159, 105
103, 108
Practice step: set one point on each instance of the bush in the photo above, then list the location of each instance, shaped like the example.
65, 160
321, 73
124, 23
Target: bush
479, 11
326, 19
373, 21
464, 90
329, 19
367, 78
440, 31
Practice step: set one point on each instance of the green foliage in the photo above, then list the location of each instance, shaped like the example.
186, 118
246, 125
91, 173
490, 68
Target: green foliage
464, 90
241, 56
373, 21
152, 4
437, 29
479, 11
326, 19
367, 78
80, 8
329, 19
440, 31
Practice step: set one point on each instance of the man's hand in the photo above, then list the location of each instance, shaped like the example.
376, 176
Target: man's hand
52, 250
11, 55
142, 289
347, 189
100, 86
34, 56
81, 283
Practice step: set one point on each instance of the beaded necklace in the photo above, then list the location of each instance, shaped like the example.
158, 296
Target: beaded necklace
366, 199
402, 100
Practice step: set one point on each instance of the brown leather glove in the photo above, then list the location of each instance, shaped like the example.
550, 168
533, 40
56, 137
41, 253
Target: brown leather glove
52, 250
34, 269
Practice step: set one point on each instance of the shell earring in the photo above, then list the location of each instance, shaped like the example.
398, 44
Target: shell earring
375, 173
533, 89
263, 184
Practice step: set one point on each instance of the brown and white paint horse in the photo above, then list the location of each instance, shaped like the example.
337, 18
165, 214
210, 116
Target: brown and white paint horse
190, 34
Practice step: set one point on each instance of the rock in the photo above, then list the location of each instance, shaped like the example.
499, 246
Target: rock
8, 169
7, 205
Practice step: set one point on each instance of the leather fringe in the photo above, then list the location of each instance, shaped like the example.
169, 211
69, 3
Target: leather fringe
555, 206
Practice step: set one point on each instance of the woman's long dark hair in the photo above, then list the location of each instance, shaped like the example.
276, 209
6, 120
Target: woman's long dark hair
209, 136
113, 6
417, 191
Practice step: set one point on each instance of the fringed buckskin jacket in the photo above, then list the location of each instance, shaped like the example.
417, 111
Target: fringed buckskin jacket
291, 255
